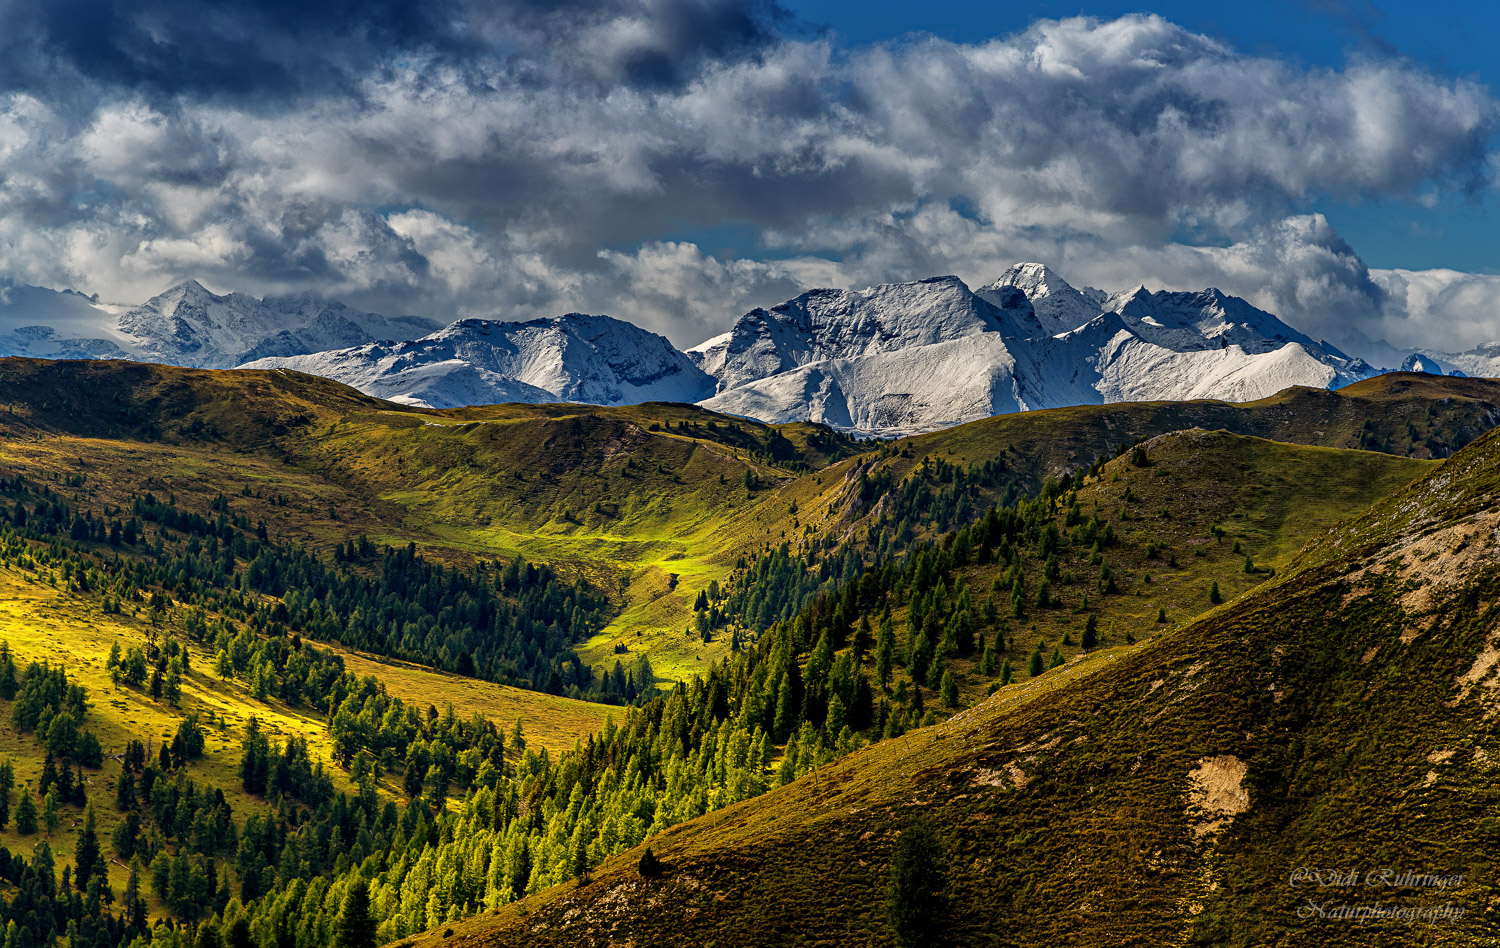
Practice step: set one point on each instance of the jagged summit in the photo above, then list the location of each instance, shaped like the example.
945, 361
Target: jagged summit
190, 325
827, 324
572, 358
1059, 307
916, 356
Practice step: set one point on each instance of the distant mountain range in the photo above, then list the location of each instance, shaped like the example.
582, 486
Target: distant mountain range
891, 359
187, 325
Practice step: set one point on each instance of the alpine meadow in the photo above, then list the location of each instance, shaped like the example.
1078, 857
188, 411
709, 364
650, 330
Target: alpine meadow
786, 473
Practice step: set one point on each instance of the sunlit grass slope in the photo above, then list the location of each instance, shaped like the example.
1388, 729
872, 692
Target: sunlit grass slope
1342, 715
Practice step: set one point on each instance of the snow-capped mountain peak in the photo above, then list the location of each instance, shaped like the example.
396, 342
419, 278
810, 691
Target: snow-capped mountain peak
826, 324
1205, 319
572, 358
190, 325
1058, 305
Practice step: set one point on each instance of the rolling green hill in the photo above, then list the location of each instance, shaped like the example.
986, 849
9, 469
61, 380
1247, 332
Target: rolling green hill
283, 548
650, 503
1339, 717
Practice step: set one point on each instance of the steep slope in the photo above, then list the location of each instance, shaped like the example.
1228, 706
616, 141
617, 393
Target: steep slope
575, 358
911, 390
188, 325
1339, 719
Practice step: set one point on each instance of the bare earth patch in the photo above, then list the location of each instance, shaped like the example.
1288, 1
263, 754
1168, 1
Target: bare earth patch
1216, 793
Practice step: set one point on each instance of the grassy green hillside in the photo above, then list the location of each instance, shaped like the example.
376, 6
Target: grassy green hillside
244, 557
46, 618
1338, 717
1184, 523
651, 503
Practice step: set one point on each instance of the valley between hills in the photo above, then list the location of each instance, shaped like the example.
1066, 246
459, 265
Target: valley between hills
1119, 669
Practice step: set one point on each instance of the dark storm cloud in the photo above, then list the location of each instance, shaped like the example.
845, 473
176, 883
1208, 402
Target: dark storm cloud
271, 50
525, 158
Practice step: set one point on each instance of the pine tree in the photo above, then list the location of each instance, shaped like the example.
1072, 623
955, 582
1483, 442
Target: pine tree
135, 904
49, 811
355, 928
1038, 662
786, 709
913, 895
950, 690
935, 673
578, 859
1161, 614
208, 936
49, 774
885, 652
1005, 672
1057, 657
649, 866
87, 859
26, 813
1213, 593
1090, 633
7, 783
987, 662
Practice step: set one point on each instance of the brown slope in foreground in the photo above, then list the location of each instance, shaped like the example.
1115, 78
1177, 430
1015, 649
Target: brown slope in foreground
1341, 717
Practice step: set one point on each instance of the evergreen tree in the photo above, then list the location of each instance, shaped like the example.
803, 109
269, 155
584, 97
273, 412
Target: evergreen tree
355, 928
88, 860
1006, 674
208, 936
649, 866
238, 935
1090, 633
7, 783
579, 853
1161, 614
863, 639
26, 813
1213, 593
786, 709
914, 901
935, 673
885, 652
49, 811
172, 686
1038, 662
1057, 657
49, 774
950, 690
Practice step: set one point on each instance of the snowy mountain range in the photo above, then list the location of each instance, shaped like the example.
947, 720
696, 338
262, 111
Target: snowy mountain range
891, 359
574, 358
187, 325
917, 356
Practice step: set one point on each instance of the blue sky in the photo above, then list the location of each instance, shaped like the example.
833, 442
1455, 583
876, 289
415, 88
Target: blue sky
677, 162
